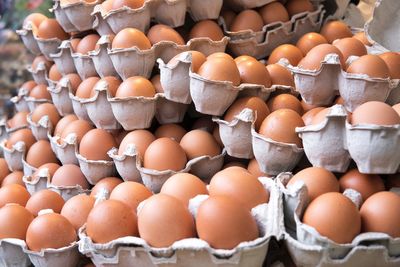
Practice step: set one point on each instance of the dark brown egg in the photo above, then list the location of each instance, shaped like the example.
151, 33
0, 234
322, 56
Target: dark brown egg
206, 28
14, 221
96, 143
335, 29
160, 32
40, 153
45, 199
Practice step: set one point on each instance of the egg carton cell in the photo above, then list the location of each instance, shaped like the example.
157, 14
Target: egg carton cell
6, 131
99, 24
101, 60
13, 155
79, 107
39, 75
201, 10
12, 254
41, 128
66, 256
95, 170
60, 96
65, 149
84, 65
36, 183
63, 58
29, 40
27, 168
62, 17
127, 163
77, 14
48, 46
168, 111
20, 103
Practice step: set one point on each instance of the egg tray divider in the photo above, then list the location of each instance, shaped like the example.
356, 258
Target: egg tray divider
13, 156
40, 129
101, 60
20, 103
311, 249
168, 111
63, 58
48, 46
12, 254
60, 96
79, 108
33, 103
66, 150
39, 75
67, 256
62, 17
260, 44
84, 65
129, 251
26, 34
6, 131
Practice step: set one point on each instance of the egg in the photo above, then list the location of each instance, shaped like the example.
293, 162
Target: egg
392, 60
77, 127
69, 175
223, 222
134, 4
29, 85
107, 5
136, 86
234, 164
131, 193
280, 75
363, 38
131, 37
309, 115
13, 178
95, 144
252, 71
41, 60
238, 183
228, 16
40, 92
109, 220
74, 81
204, 123
220, 68
339, 101
397, 108
365, 184
45, 199
280, 126
87, 44
350, 47
63, 123
14, 221
247, 20
23, 135
141, 139
155, 80
334, 216
309, 41
380, 213
216, 135
288, 51
335, 29
18, 120
50, 167
165, 154
50, 28
320, 116
197, 143
54, 73
48, 110
42, 230
77, 208
13, 193
198, 59
206, 29
163, 220
74, 44
299, 6
110, 82
170, 130
4, 171
254, 169
307, 107
40, 153
85, 87
34, 19
161, 32
107, 183
285, 101
376, 113
274, 12
313, 59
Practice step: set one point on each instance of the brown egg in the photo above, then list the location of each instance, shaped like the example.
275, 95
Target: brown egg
223, 222
13, 193
247, 20
234, 164
140, 138
111, 219
206, 28
23, 135
220, 68
134, 4
110, 82
77, 209
51, 169
163, 220
13, 178
204, 123
363, 38
87, 44
397, 108
18, 120
280, 126
85, 88
216, 135
130, 37
254, 169
171, 130
42, 230
14, 221
228, 16
45, 199
365, 184
54, 73
334, 216
184, 186
274, 12
161, 32
350, 47
285, 101
63, 123
155, 80
320, 116
197, 143
165, 154
74, 81
74, 44
4, 171
35, 18
69, 175
317, 180
40, 92
375, 112
310, 40
238, 183
108, 183
136, 86
306, 106
280, 75
50, 28
252, 71
95, 144
309, 115
380, 213
41, 60
288, 51
78, 127
40, 153
29, 85
251, 102
131, 193
198, 59
46, 109
335, 29
299, 6
220, 55
313, 59
107, 5
392, 60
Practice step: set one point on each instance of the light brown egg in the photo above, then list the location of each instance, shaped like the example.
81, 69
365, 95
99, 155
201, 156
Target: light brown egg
40, 92
309, 41
87, 44
95, 144
163, 220
375, 112
50, 28
350, 47
288, 51
85, 88
54, 73
313, 59
254, 169
42, 230
46, 109
171, 130
108, 183
14, 221
380, 213
165, 154
363, 38
41, 60
29, 85
131, 193
197, 143
40, 153
23, 135
220, 55
77, 208
140, 138
220, 68
334, 216
51, 169
18, 120
206, 28
280, 75
161, 32
223, 222
134, 4
320, 116
130, 37
280, 126
110, 82
247, 20
63, 123
309, 115
335, 29
45, 199
35, 18
78, 127
13, 193
198, 59
283, 101
111, 219
252, 71
4, 171
136, 86
69, 175
13, 178
107, 5
299, 6
392, 60
274, 12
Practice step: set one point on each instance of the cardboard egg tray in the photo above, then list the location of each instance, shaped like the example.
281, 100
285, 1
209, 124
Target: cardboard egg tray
101, 60
84, 65
60, 96
6, 131
168, 111
63, 58
94, 170
20, 103
99, 24
75, 16
129, 251
12, 253
78, 105
27, 168
48, 46
40, 129
34, 102
13, 156
65, 150
62, 17
39, 75
51, 84
66, 256
206, 9
29, 40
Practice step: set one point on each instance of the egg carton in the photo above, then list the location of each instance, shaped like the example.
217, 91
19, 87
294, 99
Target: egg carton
324, 143
206, 9
39, 75
20, 103
13, 156
78, 105
261, 44
33, 103
129, 251
94, 170
48, 46
394, 95
27, 168
12, 254
84, 65
51, 84
99, 24
40, 129
308, 248
101, 60
63, 58
76, 16
65, 150
62, 17
168, 111
27, 36
246, 4
60, 96
66, 256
